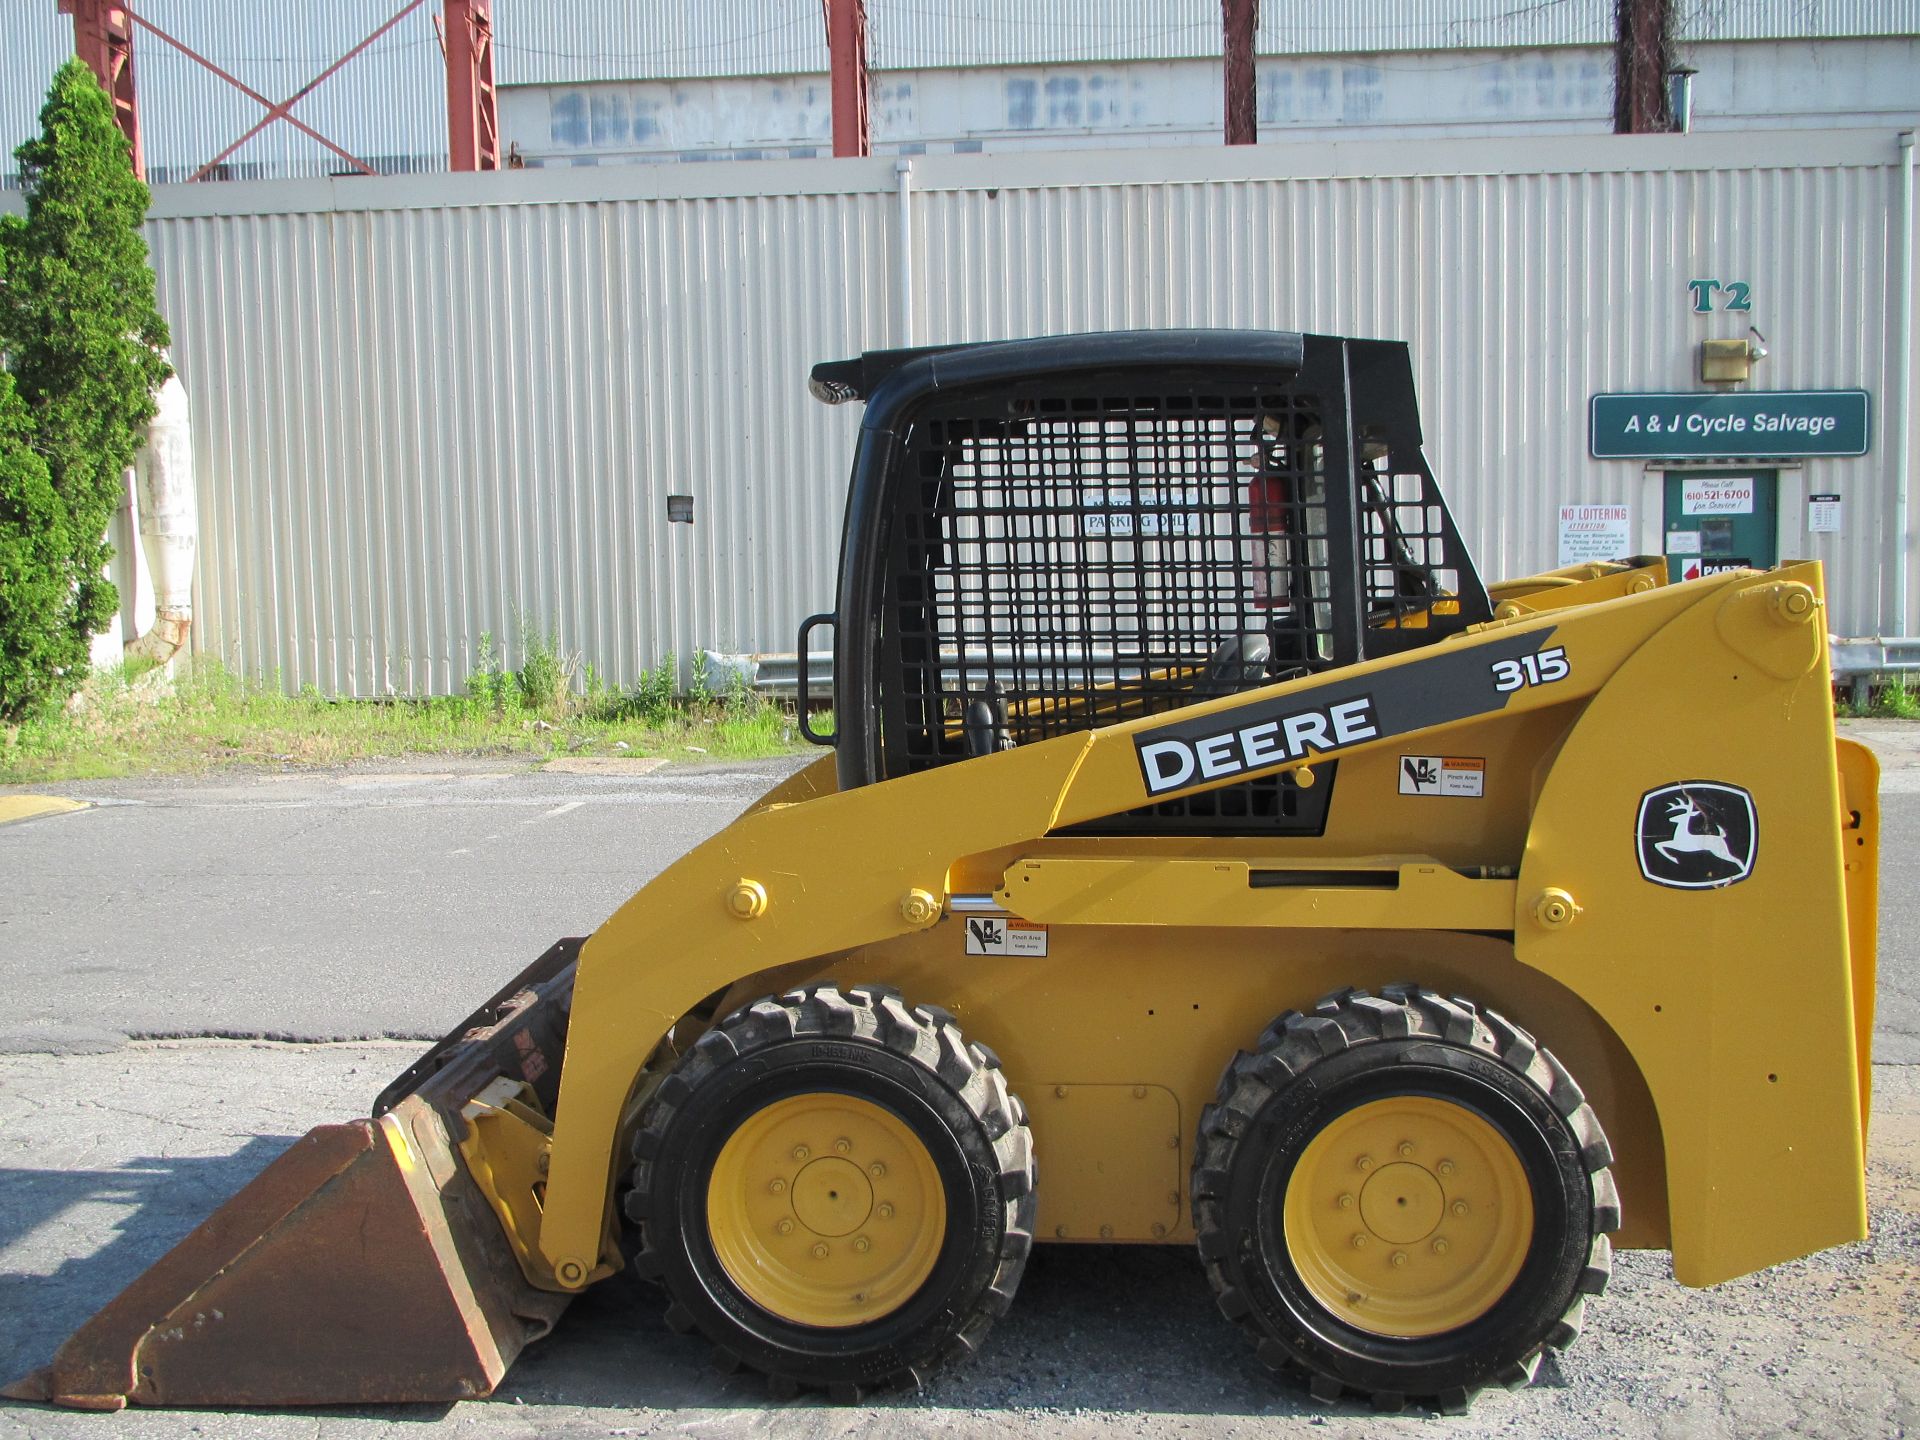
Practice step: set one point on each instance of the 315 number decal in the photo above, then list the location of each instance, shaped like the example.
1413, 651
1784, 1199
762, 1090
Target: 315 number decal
1542, 668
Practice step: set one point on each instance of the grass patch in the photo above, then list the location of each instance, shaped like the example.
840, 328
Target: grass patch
210, 718
1895, 701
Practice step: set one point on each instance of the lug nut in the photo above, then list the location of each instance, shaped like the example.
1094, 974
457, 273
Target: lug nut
843, 1146
885, 1212
861, 1244
1365, 1162
776, 1185
1345, 1202
784, 1227
877, 1170
1446, 1167
1439, 1244
1399, 1258
1406, 1148
801, 1152
1359, 1240
820, 1250
1460, 1207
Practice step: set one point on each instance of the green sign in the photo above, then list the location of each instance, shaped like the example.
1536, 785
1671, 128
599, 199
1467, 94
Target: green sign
1763, 424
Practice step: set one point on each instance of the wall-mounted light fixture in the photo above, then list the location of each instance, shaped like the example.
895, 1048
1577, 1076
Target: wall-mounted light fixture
1725, 362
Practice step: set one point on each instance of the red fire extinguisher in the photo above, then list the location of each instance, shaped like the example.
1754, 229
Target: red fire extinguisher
1270, 521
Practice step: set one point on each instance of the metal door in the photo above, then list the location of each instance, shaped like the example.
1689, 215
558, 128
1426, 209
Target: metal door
1721, 520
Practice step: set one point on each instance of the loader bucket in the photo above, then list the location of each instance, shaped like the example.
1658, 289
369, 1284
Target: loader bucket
363, 1266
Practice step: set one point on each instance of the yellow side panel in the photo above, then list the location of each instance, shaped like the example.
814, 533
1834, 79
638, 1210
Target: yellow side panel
1737, 1002
1114, 1160
1860, 842
1111, 1009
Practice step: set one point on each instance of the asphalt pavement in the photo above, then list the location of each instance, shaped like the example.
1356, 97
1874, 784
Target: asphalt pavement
198, 971
361, 904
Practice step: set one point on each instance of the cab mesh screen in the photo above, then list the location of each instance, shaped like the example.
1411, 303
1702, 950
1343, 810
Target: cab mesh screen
1087, 560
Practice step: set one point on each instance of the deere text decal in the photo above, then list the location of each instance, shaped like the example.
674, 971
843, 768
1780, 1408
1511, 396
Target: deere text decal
1455, 684
1168, 764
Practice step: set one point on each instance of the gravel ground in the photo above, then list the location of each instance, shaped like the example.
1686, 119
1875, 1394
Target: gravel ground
110, 1150
1103, 1341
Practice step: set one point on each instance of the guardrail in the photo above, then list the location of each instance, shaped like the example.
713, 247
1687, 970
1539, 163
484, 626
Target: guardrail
1858, 664
777, 676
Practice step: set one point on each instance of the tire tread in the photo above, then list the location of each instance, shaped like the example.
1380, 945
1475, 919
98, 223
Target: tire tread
1341, 1020
928, 1037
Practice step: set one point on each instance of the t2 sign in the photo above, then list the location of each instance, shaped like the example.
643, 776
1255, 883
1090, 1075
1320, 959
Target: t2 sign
1735, 295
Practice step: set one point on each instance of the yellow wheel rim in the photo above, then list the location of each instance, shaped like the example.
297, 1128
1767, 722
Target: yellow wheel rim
1408, 1216
826, 1209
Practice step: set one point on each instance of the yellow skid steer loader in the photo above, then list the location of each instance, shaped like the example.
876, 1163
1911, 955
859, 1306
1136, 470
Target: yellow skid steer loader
1208, 857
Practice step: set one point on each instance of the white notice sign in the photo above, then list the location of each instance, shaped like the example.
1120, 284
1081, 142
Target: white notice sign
1595, 532
992, 935
1683, 542
1732, 495
1823, 514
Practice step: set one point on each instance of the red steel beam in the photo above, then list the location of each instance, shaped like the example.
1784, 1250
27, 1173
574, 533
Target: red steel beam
473, 117
1239, 20
847, 60
103, 39
1643, 54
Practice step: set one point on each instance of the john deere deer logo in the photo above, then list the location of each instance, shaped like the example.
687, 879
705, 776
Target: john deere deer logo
1697, 835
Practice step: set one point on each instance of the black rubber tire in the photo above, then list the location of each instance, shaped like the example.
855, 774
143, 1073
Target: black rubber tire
1307, 1070
866, 1042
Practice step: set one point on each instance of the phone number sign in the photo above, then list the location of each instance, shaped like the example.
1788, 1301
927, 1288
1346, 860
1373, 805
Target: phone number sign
1749, 425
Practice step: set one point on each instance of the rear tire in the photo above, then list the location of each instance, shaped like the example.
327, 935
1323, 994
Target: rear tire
835, 1189
1402, 1197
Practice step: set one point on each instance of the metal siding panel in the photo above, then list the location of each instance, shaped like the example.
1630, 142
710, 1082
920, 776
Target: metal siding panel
415, 420
1520, 295
418, 425
35, 40
388, 105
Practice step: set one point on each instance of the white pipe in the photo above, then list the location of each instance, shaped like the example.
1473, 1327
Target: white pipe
904, 169
1903, 386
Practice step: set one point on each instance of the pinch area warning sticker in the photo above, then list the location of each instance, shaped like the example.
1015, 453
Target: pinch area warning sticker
1464, 775
997, 935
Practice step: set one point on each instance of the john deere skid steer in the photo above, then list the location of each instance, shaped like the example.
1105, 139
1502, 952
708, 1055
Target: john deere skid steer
1206, 857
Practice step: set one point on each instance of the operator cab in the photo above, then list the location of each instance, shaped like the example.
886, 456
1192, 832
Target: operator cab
1044, 536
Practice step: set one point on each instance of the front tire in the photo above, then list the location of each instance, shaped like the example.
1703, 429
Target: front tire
1402, 1197
835, 1189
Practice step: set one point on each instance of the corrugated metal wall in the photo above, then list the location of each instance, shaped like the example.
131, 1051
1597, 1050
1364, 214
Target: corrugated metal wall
418, 425
424, 405
387, 105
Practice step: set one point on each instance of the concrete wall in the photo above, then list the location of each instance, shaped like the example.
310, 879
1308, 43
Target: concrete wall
1426, 95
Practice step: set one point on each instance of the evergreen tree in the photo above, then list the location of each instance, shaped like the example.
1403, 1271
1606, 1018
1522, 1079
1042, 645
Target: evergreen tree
35, 554
82, 336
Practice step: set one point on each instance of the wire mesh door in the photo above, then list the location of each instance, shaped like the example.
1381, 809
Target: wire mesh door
1084, 560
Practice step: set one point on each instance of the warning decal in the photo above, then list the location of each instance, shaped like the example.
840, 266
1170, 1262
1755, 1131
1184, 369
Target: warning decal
998, 935
1463, 775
